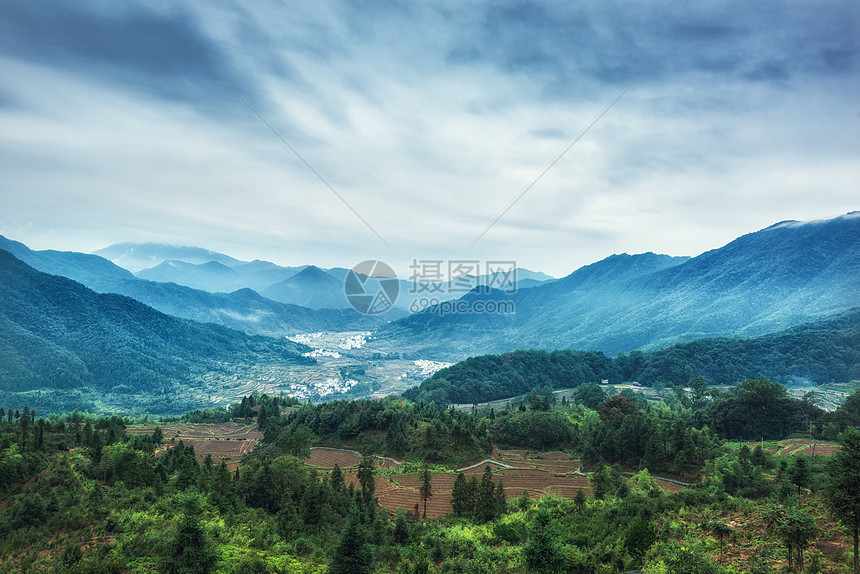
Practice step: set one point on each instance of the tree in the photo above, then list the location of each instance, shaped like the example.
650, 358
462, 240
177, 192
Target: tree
501, 499
639, 538
460, 495
189, 550
353, 553
842, 487
336, 478
601, 482
795, 527
543, 550
365, 477
721, 530
426, 490
799, 473
401, 528
579, 499
485, 505
157, 435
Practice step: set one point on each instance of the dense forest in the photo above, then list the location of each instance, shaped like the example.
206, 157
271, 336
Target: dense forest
83, 494
58, 336
815, 353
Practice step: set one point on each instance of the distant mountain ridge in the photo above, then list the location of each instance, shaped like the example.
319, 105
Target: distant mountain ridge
138, 256
56, 334
241, 310
783, 275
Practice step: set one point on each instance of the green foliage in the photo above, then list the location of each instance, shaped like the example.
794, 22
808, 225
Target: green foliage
189, 549
353, 553
639, 538
543, 550
842, 488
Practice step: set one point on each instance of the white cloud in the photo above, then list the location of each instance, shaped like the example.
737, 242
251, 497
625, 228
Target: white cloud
430, 122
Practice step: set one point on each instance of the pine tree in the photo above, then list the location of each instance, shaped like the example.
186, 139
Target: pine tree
579, 500
543, 549
799, 473
486, 503
501, 504
189, 550
365, 478
401, 528
842, 488
336, 478
426, 490
353, 553
157, 435
460, 495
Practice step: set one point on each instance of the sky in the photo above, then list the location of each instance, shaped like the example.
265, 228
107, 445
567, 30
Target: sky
335, 132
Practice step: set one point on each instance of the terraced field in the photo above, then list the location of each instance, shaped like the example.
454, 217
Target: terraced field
226, 442
802, 446
325, 459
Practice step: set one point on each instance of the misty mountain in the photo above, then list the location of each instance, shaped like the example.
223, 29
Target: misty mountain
57, 334
138, 256
244, 310
210, 276
781, 276
312, 287
216, 277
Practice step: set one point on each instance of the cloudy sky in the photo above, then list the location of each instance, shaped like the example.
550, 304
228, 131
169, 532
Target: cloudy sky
118, 122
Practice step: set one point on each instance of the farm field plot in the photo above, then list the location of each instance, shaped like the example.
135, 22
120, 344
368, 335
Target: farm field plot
393, 497
802, 446
226, 442
325, 459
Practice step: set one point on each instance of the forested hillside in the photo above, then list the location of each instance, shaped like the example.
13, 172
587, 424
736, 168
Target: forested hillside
787, 274
819, 352
243, 310
80, 494
55, 334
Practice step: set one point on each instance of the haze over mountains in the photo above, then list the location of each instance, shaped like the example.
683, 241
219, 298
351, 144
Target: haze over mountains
786, 274
58, 336
305, 285
244, 309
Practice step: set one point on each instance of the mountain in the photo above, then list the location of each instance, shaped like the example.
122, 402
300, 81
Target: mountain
823, 351
216, 277
210, 276
56, 334
138, 256
311, 287
781, 276
244, 310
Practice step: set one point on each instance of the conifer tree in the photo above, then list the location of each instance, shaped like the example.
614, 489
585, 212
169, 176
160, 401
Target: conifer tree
189, 550
543, 549
426, 490
353, 553
842, 489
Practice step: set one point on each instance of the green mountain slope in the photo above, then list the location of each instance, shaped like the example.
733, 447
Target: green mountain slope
815, 353
56, 334
243, 310
781, 276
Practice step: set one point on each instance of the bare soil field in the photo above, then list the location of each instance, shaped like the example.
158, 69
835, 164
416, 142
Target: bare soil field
226, 442
325, 459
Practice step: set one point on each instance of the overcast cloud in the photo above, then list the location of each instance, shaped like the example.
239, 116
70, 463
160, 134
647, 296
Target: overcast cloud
117, 124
